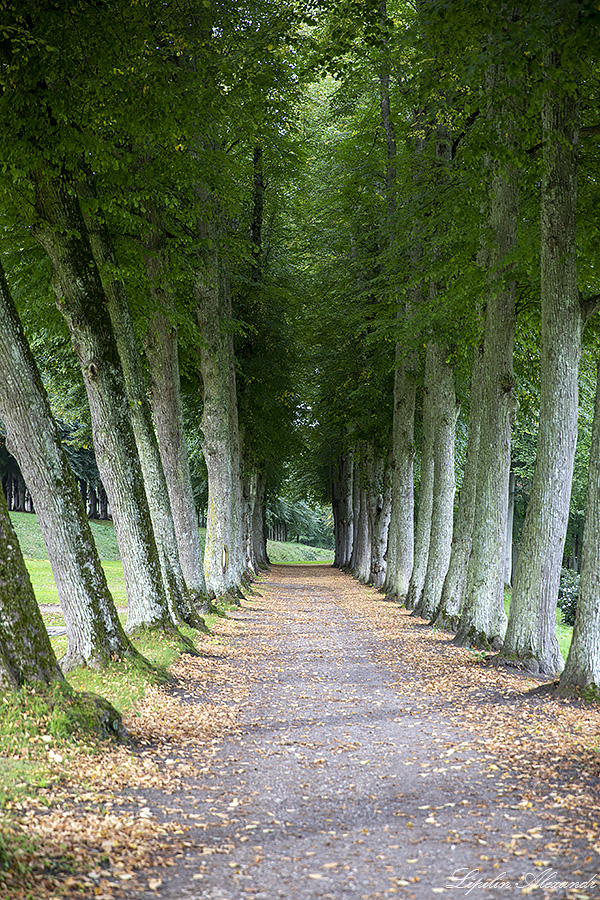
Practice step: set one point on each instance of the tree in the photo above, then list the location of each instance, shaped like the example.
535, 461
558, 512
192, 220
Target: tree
26, 654
531, 637
94, 632
582, 669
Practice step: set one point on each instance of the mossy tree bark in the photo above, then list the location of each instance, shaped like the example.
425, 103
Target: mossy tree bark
423, 531
401, 537
81, 299
379, 501
163, 364
444, 483
222, 556
180, 600
162, 355
26, 655
94, 632
483, 621
531, 637
360, 561
448, 612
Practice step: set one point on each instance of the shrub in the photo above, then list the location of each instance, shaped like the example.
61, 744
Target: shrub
568, 592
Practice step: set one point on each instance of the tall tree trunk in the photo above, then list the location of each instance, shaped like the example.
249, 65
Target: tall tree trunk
423, 531
249, 501
82, 301
444, 484
531, 635
26, 655
94, 632
400, 550
508, 555
379, 506
259, 531
178, 597
342, 481
483, 621
222, 567
582, 669
161, 348
360, 563
455, 583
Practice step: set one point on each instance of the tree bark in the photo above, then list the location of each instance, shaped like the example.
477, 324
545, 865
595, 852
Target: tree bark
582, 669
531, 637
483, 621
360, 563
455, 583
163, 364
259, 531
444, 484
222, 555
94, 632
401, 537
26, 655
379, 498
82, 301
423, 531
342, 479
180, 601
249, 501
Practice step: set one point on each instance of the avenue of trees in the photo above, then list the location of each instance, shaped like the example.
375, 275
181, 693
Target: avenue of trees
343, 250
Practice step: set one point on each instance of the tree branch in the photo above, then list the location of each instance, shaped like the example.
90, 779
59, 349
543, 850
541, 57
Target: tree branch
589, 305
589, 130
468, 124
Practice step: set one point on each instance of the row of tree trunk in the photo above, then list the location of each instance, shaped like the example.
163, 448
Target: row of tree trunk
452, 568
138, 437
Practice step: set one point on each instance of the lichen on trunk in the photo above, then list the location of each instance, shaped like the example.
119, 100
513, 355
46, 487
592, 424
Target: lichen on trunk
81, 299
94, 632
531, 638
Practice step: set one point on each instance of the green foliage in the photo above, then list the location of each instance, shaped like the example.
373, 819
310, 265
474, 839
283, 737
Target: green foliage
568, 594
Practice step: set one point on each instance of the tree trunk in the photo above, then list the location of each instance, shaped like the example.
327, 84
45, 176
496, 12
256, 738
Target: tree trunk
531, 635
379, 505
222, 567
400, 549
341, 492
483, 622
82, 301
423, 532
94, 632
444, 484
102, 502
455, 583
181, 603
163, 362
26, 655
361, 554
259, 533
508, 554
249, 501
92, 502
582, 669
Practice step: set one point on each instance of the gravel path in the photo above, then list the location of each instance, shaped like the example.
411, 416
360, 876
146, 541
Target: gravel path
350, 779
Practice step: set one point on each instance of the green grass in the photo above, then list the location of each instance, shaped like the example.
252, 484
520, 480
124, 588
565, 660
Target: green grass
32, 543
564, 633
291, 552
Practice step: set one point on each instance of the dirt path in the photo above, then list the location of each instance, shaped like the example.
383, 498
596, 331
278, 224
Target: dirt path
374, 760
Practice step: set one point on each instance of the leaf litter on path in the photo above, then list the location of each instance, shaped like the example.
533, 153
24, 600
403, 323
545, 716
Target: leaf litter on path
334, 746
